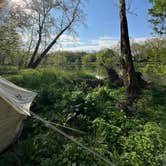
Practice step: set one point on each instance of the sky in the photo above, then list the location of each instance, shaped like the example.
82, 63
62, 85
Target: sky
102, 28
102, 25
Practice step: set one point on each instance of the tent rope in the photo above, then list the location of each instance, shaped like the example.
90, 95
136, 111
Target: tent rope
52, 126
66, 127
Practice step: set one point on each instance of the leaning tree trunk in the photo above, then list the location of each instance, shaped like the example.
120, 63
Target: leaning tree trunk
131, 79
36, 63
129, 75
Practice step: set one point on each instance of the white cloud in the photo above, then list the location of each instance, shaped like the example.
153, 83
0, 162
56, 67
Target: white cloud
83, 48
69, 43
105, 42
98, 44
140, 39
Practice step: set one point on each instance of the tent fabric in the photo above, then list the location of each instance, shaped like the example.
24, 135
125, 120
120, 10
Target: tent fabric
14, 108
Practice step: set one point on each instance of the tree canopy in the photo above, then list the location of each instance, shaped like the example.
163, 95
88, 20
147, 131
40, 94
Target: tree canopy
158, 16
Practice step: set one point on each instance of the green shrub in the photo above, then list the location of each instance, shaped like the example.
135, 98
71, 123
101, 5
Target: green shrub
145, 147
136, 141
8, 70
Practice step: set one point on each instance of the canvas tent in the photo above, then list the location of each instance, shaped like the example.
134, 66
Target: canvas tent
14, 108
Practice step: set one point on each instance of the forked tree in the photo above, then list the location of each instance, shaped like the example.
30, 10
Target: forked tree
43, 23
52, 18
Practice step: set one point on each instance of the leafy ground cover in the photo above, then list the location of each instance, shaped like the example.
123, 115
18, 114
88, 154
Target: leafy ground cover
136, 141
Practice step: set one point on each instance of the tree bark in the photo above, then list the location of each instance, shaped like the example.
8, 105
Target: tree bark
129, 74
132, 80
35, 51
41, 24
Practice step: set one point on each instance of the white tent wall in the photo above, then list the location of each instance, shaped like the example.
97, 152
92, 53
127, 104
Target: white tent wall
10, 124
14, 108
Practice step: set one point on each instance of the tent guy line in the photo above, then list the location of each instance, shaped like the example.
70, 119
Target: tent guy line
68, 128
51, 125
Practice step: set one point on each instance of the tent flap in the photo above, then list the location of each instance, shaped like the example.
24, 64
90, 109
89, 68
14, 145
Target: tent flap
15, 103
18, 97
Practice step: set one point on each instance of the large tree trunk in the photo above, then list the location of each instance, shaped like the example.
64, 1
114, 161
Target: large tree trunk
132, 81
129, 74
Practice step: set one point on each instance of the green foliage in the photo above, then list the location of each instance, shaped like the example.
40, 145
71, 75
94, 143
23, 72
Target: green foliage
136, 141
8, 70
89, 58
158, 12
155, 98
9, 45
150, 59
104, 57
65, 60
145, 146
155, 73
